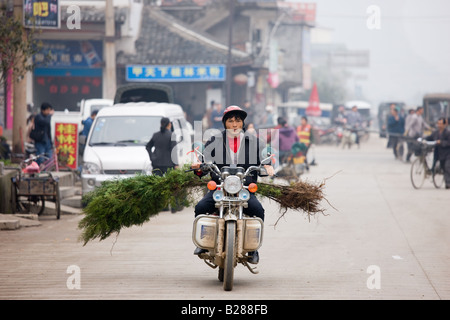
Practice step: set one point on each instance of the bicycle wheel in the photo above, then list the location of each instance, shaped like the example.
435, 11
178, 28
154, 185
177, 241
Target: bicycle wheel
418, 173
438, 175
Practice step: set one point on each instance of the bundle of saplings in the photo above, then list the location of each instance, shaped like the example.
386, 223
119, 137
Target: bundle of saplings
123, 203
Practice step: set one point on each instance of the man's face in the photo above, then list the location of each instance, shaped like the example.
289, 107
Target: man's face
234, 125
440, 125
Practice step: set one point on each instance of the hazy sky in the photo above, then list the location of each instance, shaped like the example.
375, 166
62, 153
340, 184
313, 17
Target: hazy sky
409, 54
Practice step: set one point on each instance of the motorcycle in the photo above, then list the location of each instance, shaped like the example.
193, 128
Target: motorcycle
229, 234
348, 137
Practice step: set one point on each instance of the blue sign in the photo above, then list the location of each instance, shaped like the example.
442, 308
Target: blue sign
70, 54
175, 73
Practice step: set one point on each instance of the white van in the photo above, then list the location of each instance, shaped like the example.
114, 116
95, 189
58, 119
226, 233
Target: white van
115, 147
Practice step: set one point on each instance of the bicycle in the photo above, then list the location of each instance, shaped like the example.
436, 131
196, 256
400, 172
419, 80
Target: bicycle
420, 168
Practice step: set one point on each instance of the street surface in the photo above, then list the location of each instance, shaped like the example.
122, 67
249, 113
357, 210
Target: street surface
382, 240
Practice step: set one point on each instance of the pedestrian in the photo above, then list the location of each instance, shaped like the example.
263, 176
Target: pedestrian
160, 149
288, 136
304, 132
251, 129
269, 117
341, 118
43, 140
30, 126
395, 129
442, 154
409, 143
416, 128
233, 146
216, 116
354, 122
247, 107
87, 124
5, 149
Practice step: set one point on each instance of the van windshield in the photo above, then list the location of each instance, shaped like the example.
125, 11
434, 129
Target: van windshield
124, 130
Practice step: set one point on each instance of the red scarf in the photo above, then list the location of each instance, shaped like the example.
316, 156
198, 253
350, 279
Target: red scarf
234, 143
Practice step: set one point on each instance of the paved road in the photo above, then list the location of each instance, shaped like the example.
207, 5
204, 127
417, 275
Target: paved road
386, 240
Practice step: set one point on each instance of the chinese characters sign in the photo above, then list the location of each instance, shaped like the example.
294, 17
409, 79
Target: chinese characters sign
172, 73
64, 90
66, 143
75, 54
72, 73
41, 13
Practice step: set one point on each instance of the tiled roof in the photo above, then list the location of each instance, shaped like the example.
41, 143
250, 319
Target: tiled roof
165, 40
94, 14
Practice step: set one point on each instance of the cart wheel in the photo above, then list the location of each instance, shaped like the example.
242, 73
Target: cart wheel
34, 204
57, 202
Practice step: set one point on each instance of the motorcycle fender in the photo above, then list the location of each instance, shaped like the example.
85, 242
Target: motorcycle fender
220, 255
240, 238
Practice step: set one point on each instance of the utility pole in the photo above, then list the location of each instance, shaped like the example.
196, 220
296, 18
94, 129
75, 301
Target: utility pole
19, 87
230, 60
109, 85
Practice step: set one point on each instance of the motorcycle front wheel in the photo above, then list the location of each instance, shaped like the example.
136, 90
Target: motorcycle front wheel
230, 255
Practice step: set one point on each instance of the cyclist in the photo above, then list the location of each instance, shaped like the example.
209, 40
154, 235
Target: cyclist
442, 138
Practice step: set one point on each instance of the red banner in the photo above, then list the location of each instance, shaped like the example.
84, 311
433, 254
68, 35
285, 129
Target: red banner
66, 144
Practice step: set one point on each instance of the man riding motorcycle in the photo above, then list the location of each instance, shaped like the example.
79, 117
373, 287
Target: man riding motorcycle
232, 147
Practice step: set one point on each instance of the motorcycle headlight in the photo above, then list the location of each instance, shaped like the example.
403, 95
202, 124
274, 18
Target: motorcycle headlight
91, 168
218, 195
232, 184
244, 194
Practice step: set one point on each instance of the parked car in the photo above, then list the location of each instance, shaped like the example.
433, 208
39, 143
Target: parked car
115, 147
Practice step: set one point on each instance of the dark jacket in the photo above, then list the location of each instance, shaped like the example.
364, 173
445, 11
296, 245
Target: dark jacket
218, 151
42, 122
164, 147
395, 126
443, 149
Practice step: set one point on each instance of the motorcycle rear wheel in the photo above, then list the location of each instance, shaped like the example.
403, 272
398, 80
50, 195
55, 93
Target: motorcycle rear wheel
230, 256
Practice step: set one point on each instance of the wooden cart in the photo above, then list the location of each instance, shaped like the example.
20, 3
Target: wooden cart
30, 191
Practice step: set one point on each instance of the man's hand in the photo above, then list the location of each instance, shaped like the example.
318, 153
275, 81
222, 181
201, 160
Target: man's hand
270, 170
195, 165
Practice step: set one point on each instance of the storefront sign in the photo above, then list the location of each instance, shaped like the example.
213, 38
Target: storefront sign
66, 143
175, 73
42, 13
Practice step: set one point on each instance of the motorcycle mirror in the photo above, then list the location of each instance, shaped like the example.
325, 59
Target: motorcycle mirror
198, 145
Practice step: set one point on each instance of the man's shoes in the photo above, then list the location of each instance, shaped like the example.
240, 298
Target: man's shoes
253, 257
447, 187
198, 251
